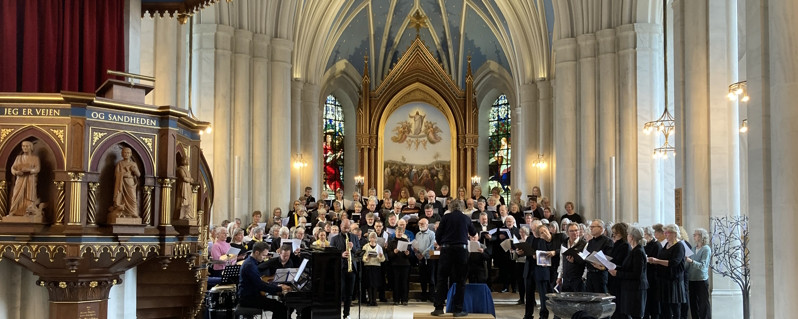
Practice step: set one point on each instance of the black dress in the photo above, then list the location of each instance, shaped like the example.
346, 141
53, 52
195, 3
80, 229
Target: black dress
652, 300
634, 284
671, 280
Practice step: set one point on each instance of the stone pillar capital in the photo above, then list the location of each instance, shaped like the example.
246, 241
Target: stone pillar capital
281, 50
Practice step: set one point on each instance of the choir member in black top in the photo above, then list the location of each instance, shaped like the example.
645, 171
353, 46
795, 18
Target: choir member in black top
571, 214
400, 261
538, 275
654, 235
571, 265
633, 279
284, 259
620, 249
597, 277
670, 262
478, 263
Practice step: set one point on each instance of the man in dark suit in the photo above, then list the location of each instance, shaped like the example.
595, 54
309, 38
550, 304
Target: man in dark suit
251, 287
348, 278
597, 278
452, 235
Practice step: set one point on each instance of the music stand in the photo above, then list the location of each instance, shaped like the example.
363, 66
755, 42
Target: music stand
230, 274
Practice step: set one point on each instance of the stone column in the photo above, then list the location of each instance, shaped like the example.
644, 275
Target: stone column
783, 43
311, 143
133, 30
545, 122
260, 120
608, 119
695, 78
587, 203
529, 113
627, 125
280, 122
760, 171
565, 130
165, 56
519, 155
242, 123
296, 137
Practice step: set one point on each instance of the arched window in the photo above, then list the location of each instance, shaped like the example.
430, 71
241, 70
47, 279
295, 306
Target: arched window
499, 146
333, 146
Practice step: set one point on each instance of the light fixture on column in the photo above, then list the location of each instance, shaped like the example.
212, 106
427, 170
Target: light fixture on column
739, 91
359, 181
539, 163
299, 161
744, 126
665, 124
475, 181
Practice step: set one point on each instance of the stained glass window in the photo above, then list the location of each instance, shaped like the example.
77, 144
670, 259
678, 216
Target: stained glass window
499, 146
333, 146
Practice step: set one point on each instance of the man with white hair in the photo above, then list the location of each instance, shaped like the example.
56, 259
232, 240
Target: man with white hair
597, 278
432, 200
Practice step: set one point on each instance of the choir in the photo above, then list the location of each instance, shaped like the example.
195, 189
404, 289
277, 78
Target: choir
654, 272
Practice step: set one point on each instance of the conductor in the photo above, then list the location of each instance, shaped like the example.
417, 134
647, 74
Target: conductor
453, 232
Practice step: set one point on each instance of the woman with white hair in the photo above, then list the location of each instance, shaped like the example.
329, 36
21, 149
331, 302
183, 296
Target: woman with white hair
670, 262
652, 249
633, 278
698, 274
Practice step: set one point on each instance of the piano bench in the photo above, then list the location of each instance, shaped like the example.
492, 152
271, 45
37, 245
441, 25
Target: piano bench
247, 313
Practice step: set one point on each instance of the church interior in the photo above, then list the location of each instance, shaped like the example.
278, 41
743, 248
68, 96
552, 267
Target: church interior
131, 129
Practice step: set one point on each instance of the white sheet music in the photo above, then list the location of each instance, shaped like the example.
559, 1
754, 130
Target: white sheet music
473, 246
402, 245
687, 251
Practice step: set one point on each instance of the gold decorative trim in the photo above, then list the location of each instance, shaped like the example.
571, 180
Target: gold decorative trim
5, 133
96, 136
166, 200
59, 133
148, 142
74, 198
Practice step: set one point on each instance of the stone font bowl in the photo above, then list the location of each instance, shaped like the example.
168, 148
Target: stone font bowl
566, 304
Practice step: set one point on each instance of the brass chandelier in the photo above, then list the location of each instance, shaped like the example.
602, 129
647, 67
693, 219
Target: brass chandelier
665, 124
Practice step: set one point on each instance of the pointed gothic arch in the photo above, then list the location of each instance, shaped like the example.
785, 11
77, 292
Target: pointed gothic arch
417, 77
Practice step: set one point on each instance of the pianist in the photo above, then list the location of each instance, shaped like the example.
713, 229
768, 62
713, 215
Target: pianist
252, 290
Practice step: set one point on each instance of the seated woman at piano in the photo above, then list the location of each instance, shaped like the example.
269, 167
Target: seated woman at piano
252, 290
219, 257
238, 242
285, 259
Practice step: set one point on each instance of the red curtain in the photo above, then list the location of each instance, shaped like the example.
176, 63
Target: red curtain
55, 45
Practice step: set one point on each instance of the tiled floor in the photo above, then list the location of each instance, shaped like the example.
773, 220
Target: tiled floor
505, 305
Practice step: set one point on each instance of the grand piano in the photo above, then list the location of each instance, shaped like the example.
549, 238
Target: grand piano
324, 296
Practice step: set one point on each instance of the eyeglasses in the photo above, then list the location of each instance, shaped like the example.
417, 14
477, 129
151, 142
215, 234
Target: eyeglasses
591, 226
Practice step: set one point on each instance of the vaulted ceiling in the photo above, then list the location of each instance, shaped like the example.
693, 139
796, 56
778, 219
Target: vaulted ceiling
382, 29
510, 34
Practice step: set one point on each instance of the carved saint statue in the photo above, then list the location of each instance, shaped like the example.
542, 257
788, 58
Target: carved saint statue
184, 193
24, 200
126, 179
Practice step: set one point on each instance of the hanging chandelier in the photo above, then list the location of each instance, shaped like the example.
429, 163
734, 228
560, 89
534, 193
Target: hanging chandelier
665, 124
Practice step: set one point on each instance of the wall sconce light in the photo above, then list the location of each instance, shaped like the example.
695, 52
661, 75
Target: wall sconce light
736, 90
475, 180
299, 161
540, 163
207, 130
359, 181
744, 126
